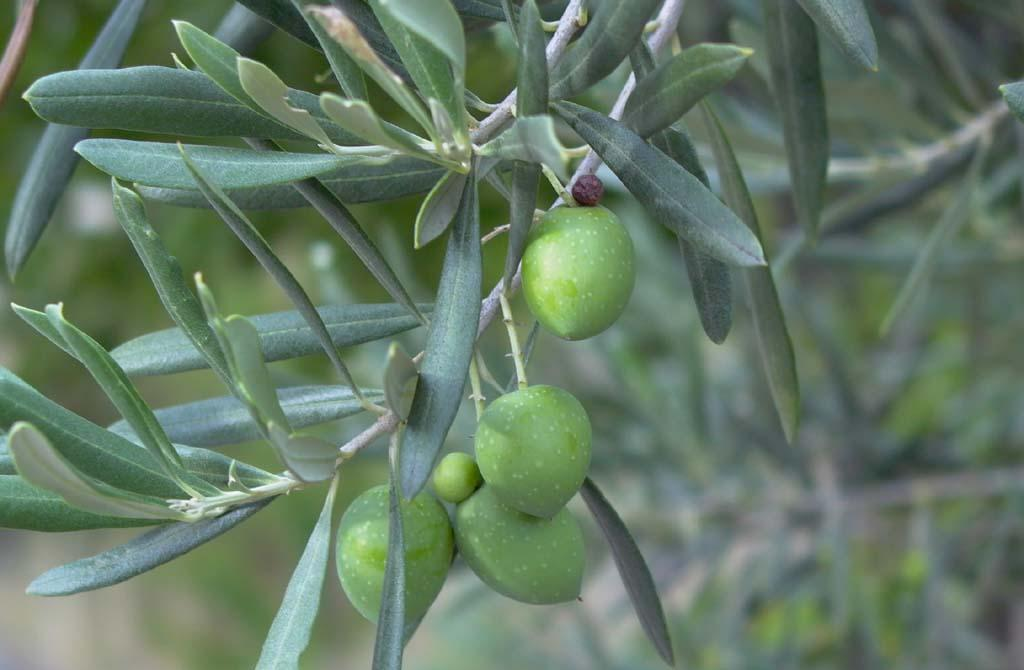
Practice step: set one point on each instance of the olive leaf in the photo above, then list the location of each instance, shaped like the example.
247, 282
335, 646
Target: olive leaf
389, 645
293, 624
636, 576
242, 29
400, 380
41, 465
49, 170
792, 45
847, 23
670, 194
139, 555
438, 209
217, 60
772, 334
168, 101
664, 95
283, 335
343, 29
160, 164
361, 182
25, 507
214, 422
345, 69
613, 28
268, 91
285, 16
449, 349
358, 117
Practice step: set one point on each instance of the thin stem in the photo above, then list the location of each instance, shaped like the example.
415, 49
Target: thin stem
474, 382
201, 508
558, 186
14, 53
513, 340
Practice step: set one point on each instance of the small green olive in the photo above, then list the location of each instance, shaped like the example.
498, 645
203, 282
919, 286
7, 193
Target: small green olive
533, 560
578, 271
456, 477
533, 448
363, 548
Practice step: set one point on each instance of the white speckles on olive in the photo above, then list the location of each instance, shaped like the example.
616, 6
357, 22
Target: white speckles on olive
578, 271
538, 561
533, 448
363, 546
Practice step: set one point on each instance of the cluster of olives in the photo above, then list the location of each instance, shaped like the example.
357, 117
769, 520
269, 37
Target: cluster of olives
532, 447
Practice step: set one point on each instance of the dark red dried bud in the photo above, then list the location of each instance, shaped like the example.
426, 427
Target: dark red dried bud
588, 190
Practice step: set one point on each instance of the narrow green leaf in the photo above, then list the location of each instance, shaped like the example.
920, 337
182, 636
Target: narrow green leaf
389, 645
258, 246
141, 554
433, 20
1013, 93
428, 36
217, 60
25, 507
293, 624
250, 371
346, 225
532, 74
672, 89
362, 182
670, 194
400, 377
268, 91
531, 139
52, 163
94, 451
792, 46
449, 348
949, 224
480, 9
773, 341
358, 117
215, 422
160, 163
438, 209
525, 182
710, 281
345, 69
166, 275
340, 26
363, 18
613, 29
636, 576
847, 23
283, 335
164, 100
41, 465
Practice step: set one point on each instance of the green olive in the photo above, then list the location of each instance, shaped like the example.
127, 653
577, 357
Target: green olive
533, 560
578, 271
363, 548
456, 477
533, 448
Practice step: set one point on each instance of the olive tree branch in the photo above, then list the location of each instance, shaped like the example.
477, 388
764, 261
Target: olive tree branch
667, 20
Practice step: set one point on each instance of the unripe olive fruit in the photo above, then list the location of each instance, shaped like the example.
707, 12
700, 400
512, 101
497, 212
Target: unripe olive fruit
533, 560
456, 477
533, 448
578, 271
363, 548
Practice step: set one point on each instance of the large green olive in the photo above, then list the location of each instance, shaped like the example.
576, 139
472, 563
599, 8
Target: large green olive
533, 448
363, 548
578, 271
533, 560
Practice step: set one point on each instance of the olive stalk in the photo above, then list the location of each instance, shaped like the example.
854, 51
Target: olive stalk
474, 382
513, 340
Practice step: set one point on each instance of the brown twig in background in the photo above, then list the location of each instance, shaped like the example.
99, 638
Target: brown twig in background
14, 53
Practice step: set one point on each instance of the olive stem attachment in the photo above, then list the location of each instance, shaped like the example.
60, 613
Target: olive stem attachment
513, 340
557, 184
474, 383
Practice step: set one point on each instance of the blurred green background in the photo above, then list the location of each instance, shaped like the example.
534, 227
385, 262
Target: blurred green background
887, 536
